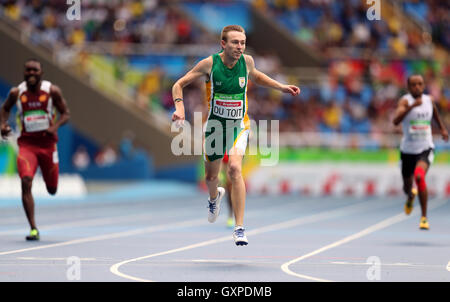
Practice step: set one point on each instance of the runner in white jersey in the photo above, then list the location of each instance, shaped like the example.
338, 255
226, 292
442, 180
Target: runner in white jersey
416, 111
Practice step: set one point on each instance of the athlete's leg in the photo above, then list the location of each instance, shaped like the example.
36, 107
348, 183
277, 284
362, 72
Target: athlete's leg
28, 201
237, 184
419, 176
408, 185
228, 187
212, 169
48, 161
26, 165
408, 163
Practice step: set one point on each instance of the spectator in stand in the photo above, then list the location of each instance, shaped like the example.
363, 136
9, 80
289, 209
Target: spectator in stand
107, 156
80, 158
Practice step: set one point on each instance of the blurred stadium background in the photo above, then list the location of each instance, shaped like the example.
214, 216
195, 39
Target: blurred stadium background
116, 67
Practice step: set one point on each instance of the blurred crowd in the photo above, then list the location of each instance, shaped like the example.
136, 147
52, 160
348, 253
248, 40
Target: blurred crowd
326, 24
134, 21
358, 95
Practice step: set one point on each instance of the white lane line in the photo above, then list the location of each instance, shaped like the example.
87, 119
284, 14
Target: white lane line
382, 264
163, 227
84, 223
52, 259
448, 266
107, 220
368, 205
216, 261
187, 223
376, 227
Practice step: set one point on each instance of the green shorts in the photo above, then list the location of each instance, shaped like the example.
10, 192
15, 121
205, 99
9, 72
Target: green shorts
220, 140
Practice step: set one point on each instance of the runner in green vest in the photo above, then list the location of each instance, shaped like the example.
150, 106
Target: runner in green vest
228, 125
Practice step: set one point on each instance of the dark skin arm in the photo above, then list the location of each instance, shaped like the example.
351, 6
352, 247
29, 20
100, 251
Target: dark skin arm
441, 125
5, 111
403, 109
61, 105
58, 101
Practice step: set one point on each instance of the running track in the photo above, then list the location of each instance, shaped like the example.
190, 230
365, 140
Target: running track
160, 232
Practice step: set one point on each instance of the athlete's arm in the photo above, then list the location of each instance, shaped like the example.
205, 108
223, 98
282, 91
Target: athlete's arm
441, 125
61, 105
203, 68
262, 79
5, 110
403, 109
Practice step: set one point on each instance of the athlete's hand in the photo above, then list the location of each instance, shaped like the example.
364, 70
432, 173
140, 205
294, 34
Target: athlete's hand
417, 102
5, 130
178, 117
293, 90
444, 134
52, 130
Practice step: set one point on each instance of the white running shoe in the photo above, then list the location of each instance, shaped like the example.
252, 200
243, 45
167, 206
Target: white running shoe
214, 206
239, 236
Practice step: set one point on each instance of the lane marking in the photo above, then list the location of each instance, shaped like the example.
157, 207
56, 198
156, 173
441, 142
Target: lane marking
83, 223
187, 223
216, 261
381, 264
116, 219
52, 259
373, 228
329, 214
162, 227
448, 266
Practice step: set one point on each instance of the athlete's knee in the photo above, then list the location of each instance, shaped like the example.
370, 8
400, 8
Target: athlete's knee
419, 177
234, 170
210, 177
27, 182
52, 190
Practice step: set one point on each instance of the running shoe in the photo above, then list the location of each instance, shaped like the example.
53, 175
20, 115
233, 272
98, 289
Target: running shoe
214, 205
410, 202
239, 236
230, 223
424, 223
34, 235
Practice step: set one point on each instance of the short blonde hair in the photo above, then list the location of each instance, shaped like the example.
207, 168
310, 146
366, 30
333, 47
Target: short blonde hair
229, 28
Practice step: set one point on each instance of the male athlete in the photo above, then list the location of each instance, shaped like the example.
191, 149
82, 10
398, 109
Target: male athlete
228, 124
415, 111
35, 100
227, 180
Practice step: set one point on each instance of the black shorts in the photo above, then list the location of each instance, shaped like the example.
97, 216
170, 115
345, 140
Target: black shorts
409, 161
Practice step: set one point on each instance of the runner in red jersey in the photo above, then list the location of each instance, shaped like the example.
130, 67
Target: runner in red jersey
36, 100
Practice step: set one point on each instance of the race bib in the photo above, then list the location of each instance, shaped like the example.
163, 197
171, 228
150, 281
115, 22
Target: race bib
419, 130
36, 120
229, 106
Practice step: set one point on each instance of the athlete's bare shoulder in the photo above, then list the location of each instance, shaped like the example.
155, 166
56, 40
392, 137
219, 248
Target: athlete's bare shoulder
402, 100
250, 62
14, 92
54, 89
249, 59
205, 65
11, 99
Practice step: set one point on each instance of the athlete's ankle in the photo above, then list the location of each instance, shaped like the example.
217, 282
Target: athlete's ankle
213, 199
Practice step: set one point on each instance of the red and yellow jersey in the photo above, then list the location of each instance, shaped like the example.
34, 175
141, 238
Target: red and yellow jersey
36, 114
